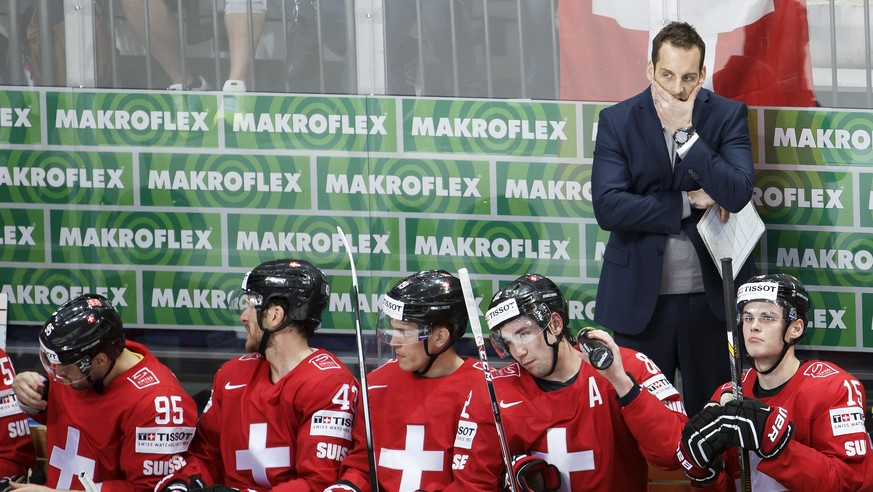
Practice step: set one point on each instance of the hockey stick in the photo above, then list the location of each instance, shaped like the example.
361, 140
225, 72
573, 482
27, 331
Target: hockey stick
473, 313
86, 481
362, 366
733, 336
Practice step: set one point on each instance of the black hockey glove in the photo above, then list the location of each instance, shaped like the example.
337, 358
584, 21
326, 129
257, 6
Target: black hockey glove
700, 477
703, 440
534, 474
757, 426
342, 486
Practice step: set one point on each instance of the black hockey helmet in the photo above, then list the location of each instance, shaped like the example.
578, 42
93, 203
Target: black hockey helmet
296, 282
781, 288
78, 331
430, 298
529, 295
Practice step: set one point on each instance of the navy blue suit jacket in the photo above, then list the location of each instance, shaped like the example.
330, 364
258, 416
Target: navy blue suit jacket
637, 196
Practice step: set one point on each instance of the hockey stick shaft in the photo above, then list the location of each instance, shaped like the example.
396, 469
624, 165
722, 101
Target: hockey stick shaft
736, 361
362, 366
473, 314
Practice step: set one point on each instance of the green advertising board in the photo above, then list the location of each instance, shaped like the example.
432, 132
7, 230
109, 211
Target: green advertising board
164, 201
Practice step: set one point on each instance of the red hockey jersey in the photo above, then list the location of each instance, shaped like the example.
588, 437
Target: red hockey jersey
423, 433
830, 446
17, 453
126, 438
582, 430
287, 436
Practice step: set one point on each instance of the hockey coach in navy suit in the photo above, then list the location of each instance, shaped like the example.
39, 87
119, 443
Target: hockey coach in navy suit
661, 159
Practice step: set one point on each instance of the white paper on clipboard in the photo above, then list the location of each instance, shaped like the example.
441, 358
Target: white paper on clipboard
736, 239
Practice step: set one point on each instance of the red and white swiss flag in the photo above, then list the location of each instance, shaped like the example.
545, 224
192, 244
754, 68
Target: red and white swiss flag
757, 51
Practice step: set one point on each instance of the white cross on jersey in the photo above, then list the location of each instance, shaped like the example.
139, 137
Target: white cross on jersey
68, 460
413, 460
709, 18
557, 454
259, 457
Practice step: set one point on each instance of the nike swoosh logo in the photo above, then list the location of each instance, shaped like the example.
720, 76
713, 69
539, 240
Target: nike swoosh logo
377, 386
510, 404
229, 386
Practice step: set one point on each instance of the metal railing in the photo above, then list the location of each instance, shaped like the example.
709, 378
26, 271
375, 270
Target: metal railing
462, 48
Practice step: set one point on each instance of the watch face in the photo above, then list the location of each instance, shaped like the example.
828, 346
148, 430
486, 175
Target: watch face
681, 136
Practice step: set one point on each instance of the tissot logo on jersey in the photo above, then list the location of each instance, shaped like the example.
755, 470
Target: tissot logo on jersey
225, 181
163, 440
8, 403
333, 424
61, 177
482, 247
320, 242
849, 420
660, 386
465, 435
136, 120
142, 237
488, 128
318, 124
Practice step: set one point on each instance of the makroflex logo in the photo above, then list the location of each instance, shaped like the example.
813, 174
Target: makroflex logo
225, 181
15, 118
408, 185
492, 128
118, 119
822, 138
55, 295
318, 124
319, 242
483, 247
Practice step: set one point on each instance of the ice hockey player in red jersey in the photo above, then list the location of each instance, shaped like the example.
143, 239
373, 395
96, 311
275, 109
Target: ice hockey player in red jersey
280, 418
111, 409
423, 435
802, 421
17, 453
596, 427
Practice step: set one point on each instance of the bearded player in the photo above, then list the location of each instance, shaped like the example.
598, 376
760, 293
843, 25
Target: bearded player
110, 408
281, 417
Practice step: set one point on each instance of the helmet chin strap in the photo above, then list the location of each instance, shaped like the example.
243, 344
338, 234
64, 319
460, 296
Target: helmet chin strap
262, 347
98, 385
431, 357
554, 346
782, 353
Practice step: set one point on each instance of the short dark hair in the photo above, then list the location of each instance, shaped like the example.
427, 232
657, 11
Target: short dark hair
681, 35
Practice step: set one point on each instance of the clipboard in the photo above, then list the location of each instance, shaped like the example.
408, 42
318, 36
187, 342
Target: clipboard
736, 239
